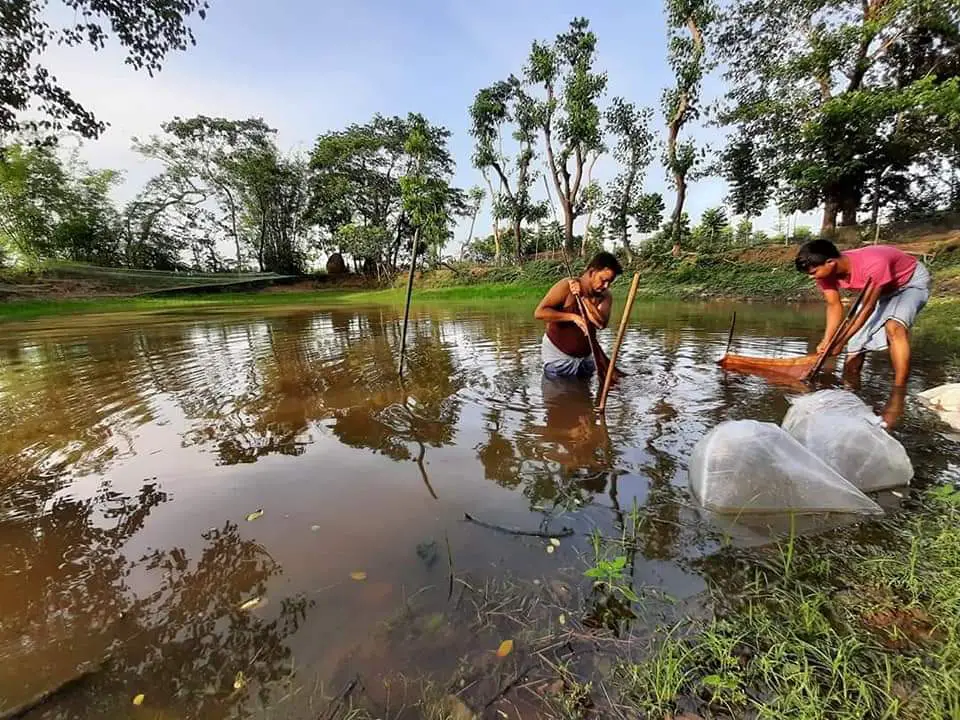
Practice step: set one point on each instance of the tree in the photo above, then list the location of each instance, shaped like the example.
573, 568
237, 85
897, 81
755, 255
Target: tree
568, 114
429, 201
713, 226
203, 156
633, 149
355, 179
147, 30
51, 208
681, 104
475, 197
749, 188
839, 96
495, 109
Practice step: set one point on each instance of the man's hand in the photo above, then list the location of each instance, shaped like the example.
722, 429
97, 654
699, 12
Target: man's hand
822, 346
574, 287
581, 323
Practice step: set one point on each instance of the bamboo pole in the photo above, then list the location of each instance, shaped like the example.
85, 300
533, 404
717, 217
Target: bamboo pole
848, 319
624, 319
406, 309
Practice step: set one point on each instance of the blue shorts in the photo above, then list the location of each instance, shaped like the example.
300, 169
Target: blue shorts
901, 306
557, 364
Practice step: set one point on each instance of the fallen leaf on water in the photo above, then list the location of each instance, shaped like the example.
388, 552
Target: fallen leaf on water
550, 548
314, 528
138, 699
250, 604
506, 647
562, 619
239, 681
254, 515
555, 542
358, 575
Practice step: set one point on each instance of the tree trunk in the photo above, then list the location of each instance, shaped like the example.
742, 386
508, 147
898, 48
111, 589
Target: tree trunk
518, 236
681, 181
494, 197
626, 244
848, 211
473, 221
567, 227
831, 208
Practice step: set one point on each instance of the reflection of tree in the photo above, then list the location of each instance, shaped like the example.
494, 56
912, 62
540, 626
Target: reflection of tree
76, 602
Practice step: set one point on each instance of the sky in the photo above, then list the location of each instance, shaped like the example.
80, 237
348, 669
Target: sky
307, 67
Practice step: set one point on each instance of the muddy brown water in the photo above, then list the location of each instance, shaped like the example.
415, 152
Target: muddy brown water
134, 448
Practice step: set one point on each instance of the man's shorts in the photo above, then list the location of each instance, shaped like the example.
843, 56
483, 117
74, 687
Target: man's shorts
902, 306
558, 364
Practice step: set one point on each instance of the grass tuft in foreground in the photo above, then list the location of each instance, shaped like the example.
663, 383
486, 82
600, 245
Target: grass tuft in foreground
839, 631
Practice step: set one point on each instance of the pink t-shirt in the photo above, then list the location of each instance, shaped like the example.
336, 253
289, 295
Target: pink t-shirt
889, 268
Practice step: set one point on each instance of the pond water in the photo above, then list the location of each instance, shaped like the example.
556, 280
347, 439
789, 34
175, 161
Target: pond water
138, 451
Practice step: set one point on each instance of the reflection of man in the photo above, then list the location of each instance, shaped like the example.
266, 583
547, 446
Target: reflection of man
570, 424
566, 343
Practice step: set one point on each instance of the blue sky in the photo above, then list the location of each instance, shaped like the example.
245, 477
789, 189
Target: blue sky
307, 67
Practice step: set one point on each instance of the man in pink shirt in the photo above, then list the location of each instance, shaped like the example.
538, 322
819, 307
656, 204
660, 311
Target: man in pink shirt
900, 289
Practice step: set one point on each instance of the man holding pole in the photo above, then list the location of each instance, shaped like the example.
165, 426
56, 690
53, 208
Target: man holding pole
897, 288
574, 309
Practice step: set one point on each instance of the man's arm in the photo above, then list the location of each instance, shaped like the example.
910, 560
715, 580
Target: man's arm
556, 297
600, 314
834, 316
869, 303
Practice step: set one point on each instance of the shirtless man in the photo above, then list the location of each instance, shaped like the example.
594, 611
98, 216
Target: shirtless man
565, 349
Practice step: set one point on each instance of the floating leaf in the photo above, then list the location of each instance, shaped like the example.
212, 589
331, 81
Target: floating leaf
255, 515
562, 619
506, 647
550, 548
250, 604
555, 542
314, 528
138, 699
358, 575
239, 681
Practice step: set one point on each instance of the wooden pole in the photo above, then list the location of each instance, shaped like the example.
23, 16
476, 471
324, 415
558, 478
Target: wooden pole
624, 319
406, 309
849, 318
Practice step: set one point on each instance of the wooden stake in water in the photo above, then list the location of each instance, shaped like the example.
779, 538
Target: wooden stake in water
406, 309
616, 346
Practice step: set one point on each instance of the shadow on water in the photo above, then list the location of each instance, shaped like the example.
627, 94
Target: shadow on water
136, 453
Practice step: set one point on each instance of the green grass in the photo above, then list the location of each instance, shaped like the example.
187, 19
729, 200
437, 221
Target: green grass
838, 631
938, 325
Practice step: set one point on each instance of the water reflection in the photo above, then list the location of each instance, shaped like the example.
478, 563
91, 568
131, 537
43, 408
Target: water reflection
301, 413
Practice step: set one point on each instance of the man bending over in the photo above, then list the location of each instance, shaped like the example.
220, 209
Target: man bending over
901, 287
566, 346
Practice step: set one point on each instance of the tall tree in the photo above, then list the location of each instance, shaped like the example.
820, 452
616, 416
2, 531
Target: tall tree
569, 114
633, 149
501, 106
839, 96
475, 197
687, 21
147, 30
202, 156
428, 198
355, 179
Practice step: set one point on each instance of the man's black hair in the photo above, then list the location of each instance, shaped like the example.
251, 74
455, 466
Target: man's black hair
815, 253
606, 261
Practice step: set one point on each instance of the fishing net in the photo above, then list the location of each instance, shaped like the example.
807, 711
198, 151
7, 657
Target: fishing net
840, 429
745, 466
